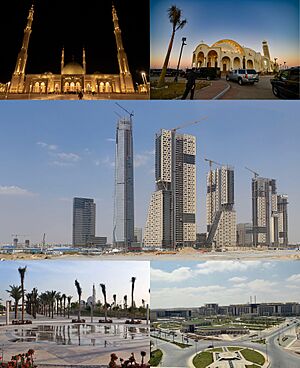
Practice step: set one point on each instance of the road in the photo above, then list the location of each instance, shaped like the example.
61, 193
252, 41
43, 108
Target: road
174, 356
258, 91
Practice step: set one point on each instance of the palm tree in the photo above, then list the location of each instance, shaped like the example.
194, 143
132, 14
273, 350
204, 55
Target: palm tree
115, 300
15, 292
52, 298
64, 297
57, 297
174, 14
143, 303
103, 289
34, 301
22, 271
125, 302
69, 304
79, 292
133, 279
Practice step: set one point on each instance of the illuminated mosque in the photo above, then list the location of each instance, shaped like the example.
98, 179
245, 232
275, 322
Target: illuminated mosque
228, 55
73, 77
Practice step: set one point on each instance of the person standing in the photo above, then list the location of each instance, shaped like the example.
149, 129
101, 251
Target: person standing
190, 84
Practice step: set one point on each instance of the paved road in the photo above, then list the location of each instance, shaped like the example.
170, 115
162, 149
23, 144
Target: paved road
175, 356
258, 91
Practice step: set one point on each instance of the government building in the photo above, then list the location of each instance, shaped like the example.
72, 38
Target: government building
228, 55
73, 77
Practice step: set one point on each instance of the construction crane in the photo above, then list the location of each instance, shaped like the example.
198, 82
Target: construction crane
188, 124
44, 241
131, 114
253, 172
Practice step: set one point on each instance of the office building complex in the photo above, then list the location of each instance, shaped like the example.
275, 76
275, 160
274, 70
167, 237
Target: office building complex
138, 235
220, 213
123, 230
171, 218
244, 235
84, 221
269, 213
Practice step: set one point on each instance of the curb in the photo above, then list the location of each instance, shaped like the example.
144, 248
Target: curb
219, 95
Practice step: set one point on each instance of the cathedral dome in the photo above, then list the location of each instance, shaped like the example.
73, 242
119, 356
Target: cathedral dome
229, 46
73, 68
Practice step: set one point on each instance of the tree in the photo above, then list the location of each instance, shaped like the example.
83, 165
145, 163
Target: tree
69, 304
174, 14
79, 292
15, 292
57, 297
103, 289
64, 297
115, 301
133, 279
125, 302
22, 271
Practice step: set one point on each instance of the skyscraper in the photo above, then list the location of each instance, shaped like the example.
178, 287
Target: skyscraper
171, 220
269, 213
84, 221
220, 213
282, 203
123, 231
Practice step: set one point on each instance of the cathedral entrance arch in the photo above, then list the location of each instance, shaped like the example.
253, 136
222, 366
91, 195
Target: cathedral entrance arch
236, 63
200, 59
250, 64
212, 59
225, 64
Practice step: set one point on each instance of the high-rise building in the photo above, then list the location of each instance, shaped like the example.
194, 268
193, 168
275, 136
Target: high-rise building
138, 235
244, 235
123, 230
84, 221
282, 203
264, 211
171, 220
220, 213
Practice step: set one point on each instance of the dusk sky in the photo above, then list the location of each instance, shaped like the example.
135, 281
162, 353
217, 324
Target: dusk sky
247, 22
192, 284
61, 275
54, 151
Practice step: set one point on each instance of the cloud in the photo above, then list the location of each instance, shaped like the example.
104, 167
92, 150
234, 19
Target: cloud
210, 267
180, 274
107, 161
15, 191
110, 139
68, 157
140, 160
50, 147
294, 278
238, 279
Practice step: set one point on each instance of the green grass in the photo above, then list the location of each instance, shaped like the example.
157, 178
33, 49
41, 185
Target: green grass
203, 359
261, 341
155, 357
253, 356
216, 350
234, 348
172, 90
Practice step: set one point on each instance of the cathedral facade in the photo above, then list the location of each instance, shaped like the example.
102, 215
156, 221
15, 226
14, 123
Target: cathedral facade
73, 77
228, 55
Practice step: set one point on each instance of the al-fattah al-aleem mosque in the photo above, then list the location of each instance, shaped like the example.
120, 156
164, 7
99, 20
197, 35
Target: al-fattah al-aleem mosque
228, 55
73, 77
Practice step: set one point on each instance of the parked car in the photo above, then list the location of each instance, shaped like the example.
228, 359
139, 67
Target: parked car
243, 76
206, 73
286, 83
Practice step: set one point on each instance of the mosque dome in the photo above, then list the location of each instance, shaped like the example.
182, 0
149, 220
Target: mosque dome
73, 68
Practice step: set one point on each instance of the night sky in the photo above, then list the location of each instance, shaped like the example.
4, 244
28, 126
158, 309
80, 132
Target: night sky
74, 25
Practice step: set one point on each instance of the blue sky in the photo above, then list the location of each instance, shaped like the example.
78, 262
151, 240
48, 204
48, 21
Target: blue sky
192, 284
48, 275
51, 152
247, 22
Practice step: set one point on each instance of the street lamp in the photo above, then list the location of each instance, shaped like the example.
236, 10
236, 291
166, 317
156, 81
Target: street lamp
180, 54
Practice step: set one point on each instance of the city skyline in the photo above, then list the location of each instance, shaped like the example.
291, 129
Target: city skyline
211, 25
44, 168
45, 275
192, 284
